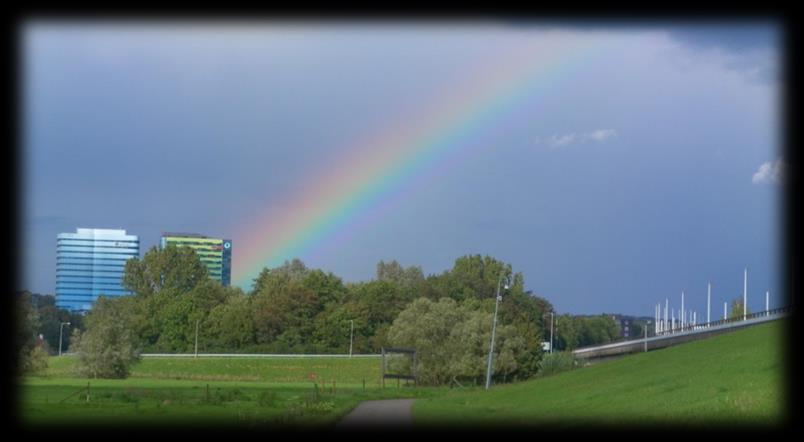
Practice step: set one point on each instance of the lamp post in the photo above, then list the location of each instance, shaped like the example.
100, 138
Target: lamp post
351, 336
196, 337
493, 331
745, 293
61, 328
551, 330
646, 336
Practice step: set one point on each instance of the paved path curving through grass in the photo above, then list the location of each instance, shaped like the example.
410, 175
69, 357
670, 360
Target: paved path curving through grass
382, 413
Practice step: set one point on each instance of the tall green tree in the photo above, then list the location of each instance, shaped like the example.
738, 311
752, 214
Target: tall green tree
478, 277
406, 278
290, 307
229, 326
276, 279
176, 269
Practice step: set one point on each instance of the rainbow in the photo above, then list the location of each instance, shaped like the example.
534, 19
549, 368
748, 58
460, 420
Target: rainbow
368, 171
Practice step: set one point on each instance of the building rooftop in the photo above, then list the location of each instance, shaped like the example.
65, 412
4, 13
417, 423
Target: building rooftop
97, 233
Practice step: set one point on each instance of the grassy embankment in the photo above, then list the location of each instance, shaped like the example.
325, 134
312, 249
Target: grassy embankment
735, 377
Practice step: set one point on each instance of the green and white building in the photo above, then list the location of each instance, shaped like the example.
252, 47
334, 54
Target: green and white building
215, 253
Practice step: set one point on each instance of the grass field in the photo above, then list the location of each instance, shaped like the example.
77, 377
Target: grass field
735, 377
274, 370
209, 391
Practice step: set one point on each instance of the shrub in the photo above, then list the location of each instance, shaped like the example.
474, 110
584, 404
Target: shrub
557, 362
107, 348
35, 362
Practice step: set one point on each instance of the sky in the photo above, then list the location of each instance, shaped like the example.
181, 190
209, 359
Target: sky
614, 166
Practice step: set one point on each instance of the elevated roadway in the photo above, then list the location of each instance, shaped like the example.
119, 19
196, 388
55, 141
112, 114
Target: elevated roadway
669, 338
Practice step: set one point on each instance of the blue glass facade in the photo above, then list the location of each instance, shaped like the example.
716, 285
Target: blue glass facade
90, 263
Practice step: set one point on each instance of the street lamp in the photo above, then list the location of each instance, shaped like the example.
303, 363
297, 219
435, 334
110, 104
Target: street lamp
493, 330
196, 337
551, 331
646, 335
61, 328
351, 336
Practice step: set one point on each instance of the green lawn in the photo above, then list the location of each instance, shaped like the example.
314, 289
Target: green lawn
735, 377
276, 370
240, 391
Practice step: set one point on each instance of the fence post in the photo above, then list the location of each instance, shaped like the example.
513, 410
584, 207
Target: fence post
87, 391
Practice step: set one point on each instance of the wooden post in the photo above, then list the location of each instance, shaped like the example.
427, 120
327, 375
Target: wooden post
415, 378
383, 367
87, 391
364, 383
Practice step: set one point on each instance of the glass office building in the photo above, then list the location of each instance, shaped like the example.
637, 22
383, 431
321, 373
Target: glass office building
90, 263
215, 253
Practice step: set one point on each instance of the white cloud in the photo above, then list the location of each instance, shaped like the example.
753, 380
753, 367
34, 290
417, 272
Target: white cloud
770, 172
563, 140
556, 141
602, 134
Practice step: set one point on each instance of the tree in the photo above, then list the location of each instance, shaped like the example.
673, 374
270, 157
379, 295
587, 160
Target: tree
275, 279
51, 318
176, 324
28, 353
290, 307
410, 278
287, 303
596, 330
429, 328
452, 340
107, 348
173, 268
332, 329
478, 277
737, 309
566, 332
229, 326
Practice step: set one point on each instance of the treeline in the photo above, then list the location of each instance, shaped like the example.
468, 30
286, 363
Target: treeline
296, 309
447, 317
571, 332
